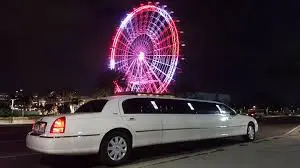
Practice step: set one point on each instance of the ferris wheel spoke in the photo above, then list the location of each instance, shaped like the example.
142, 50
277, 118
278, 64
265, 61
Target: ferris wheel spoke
160, 27
150, 20
130, 66
122, 66
124, 60
130, 30
163, 32
160, 71
124, 51
165, 47
163, 55
140, 23
153, 73
126, 65
152, 88
126, 38
149, 77
143, 21
154, 20
125, 55
154, 29
159, 62
123, 44
165, 39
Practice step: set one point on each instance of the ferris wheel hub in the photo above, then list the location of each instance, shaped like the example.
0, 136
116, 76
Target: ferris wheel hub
141, 56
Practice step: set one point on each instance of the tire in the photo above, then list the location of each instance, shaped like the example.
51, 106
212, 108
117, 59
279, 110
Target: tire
113, 155
250, 136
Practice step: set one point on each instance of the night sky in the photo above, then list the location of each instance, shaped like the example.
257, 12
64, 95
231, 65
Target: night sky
248, 48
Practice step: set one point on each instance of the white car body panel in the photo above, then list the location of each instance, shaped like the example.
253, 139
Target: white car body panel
84, 132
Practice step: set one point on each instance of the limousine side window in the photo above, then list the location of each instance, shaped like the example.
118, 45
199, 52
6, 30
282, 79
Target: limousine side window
139, 106
225, 110
205, 108
169, 106
92, 106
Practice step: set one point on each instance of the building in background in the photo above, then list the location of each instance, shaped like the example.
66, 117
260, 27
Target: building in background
4, 97
225, 98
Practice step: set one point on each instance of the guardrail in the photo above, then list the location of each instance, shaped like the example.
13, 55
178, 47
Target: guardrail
17, 120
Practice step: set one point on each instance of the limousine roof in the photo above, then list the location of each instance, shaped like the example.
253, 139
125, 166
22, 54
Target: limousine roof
157, 96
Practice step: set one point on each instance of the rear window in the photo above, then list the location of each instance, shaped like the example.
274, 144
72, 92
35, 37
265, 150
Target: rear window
92, 106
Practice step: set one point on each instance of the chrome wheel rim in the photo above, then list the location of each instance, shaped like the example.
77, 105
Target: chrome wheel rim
117, 148
251, 132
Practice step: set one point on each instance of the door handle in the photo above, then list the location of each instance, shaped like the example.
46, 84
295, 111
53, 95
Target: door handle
131, 118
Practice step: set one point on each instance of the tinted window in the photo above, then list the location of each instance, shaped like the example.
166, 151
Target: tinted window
169, 106
140, 106
157, 106
225, 110
205, 108
92, 106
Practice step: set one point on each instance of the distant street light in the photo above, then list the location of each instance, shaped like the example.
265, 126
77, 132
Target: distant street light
12, 109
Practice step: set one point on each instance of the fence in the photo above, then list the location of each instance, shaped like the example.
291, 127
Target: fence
17, 113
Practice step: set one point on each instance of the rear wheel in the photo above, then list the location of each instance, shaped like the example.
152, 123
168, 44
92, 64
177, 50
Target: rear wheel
250, 136
115, 148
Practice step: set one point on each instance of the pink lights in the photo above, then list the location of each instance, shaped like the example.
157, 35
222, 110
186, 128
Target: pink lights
146, 49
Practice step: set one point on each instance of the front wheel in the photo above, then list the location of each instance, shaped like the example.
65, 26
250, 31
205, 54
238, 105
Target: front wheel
250, 136
115, 148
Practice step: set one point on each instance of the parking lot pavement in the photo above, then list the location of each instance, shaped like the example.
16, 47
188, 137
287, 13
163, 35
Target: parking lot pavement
14, 154
276, 152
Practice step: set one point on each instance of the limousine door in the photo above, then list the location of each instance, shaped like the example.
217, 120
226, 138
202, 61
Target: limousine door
232, 125
209, 119
180, 122
139, 115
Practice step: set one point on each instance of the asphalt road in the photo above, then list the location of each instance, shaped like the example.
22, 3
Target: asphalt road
14, 154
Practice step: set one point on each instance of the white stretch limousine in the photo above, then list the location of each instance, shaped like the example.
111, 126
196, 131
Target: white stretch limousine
112, 126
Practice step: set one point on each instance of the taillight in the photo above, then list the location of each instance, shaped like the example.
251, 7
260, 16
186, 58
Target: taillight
58, 125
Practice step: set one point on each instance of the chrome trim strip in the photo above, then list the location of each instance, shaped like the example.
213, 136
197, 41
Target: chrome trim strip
231, 126
71, 136
171, 129
239, 126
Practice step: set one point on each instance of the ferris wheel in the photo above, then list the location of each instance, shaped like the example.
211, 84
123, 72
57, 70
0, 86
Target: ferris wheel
145, 50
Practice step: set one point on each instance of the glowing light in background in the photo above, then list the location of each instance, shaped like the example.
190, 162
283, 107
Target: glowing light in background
141, 56
112, 64
146, 50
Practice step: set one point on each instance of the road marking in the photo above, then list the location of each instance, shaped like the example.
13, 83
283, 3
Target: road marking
292, 130
18, 155
8, 141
